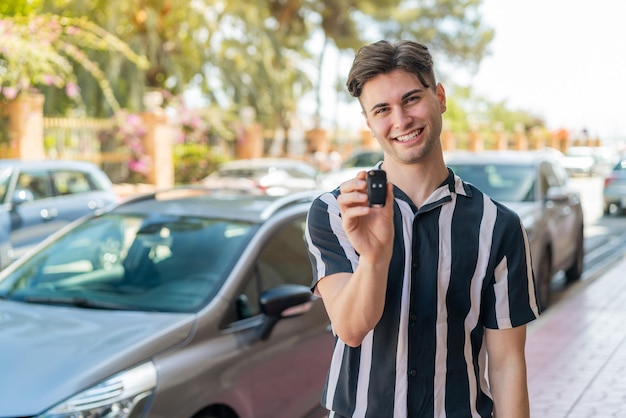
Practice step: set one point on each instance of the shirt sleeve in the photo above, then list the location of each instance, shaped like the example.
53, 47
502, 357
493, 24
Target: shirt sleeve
330, 251
510, 297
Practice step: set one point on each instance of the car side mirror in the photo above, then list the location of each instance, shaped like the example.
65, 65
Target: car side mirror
282, 302
557, 194
22, 196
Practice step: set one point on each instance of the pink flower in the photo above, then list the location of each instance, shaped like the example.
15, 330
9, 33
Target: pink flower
10, 92
72, 90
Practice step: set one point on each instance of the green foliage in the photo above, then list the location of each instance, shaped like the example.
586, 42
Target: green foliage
39, 51
193, 162
19, 7
467, 111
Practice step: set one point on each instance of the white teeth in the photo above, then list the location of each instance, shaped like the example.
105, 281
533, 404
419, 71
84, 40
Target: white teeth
406, 138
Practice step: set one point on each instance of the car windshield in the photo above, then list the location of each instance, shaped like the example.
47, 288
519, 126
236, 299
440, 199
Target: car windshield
123, 261
502, 182
364, 159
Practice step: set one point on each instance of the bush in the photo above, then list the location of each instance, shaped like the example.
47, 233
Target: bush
193, 162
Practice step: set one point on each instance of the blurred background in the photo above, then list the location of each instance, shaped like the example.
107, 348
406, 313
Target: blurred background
160, 92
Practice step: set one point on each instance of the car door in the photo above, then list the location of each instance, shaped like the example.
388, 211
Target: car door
562, 215
295, 358
77, 194
35, 216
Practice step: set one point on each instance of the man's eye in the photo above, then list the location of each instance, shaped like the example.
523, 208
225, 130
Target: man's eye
412, 99
380, 111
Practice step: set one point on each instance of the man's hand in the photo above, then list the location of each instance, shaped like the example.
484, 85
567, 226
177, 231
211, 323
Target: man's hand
370, 230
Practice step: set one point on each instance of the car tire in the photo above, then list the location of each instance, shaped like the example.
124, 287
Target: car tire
574, 272
544, 280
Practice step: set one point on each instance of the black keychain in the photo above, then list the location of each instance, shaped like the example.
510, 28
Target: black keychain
377, 187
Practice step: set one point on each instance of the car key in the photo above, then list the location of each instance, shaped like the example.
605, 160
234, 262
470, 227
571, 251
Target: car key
377, 187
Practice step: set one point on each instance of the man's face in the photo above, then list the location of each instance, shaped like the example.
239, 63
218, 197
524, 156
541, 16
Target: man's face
403, 115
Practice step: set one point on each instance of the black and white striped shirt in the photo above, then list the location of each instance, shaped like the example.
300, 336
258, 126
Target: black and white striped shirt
460, 264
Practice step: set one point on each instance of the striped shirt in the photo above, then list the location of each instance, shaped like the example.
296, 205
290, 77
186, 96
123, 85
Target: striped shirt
460, 264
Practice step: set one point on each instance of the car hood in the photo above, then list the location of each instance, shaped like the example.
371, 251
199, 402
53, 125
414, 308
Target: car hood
49, 353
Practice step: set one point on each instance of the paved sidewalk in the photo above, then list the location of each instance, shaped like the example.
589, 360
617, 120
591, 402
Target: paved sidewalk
576, 352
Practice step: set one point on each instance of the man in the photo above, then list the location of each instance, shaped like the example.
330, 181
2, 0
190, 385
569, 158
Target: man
422, 291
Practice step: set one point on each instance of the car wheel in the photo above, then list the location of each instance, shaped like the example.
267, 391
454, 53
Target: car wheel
574, 272
544, 280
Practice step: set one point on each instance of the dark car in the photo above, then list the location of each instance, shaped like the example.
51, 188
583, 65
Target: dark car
178, 304
40, 197
614, 191
537, 187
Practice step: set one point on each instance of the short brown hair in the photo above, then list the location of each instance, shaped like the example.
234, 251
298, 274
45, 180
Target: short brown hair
383, 57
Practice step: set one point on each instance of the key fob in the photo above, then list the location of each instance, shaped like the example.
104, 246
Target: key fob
376, 187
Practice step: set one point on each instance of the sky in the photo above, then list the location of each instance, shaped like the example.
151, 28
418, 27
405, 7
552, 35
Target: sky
563, 60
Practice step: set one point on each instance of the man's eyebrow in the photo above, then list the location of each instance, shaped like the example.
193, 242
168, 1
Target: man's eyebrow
404, 97
411, 93
378, 105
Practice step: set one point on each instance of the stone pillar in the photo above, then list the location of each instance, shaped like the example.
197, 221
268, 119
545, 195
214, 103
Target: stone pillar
159, 146
25, 127
475, 142
250, 139
317, 141
501, 141
250, 142
519, 138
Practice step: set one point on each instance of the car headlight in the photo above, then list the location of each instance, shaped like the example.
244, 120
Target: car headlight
123, 395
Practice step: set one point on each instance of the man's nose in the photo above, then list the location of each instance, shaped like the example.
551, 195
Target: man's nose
401, 118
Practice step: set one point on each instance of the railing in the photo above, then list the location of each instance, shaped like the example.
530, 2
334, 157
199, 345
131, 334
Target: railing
77, 139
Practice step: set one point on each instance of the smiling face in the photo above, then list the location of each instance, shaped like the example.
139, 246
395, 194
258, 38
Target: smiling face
403, 115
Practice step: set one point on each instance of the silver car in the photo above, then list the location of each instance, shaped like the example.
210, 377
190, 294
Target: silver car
40, 197
614, 190
271, 176
177, 304
536, 186
359, 161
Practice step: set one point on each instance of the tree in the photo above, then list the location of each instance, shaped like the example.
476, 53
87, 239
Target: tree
40, 51
168, 34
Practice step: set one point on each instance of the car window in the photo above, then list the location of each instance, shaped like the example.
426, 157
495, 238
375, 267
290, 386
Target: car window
501, 182
5, 181
621, 166
154, 263
283, 260
37, 182
364, 159
300, 173
72, 182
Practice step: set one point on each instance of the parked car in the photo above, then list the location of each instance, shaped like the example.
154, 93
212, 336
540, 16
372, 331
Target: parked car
361, 160
579, 161
40, 197
179, 304
536, 186
614, 191
271, 176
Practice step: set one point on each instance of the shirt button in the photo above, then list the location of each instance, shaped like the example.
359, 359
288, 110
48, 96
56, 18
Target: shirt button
413, 373
413, 317
415, 264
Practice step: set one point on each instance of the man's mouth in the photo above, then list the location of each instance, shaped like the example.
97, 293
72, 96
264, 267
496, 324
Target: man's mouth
411, 136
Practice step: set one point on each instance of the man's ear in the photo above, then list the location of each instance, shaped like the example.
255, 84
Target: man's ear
441, 96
